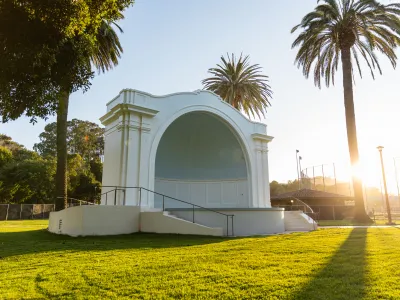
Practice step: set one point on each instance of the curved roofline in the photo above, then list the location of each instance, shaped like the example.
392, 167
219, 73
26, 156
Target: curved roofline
196, 92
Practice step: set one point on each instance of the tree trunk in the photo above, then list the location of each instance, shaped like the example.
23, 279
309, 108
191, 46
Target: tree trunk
360, 214
61, 174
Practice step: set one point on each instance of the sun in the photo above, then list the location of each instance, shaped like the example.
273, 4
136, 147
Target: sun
367, 173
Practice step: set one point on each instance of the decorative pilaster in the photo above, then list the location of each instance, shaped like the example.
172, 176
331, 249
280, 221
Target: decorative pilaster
262, 193
125, 164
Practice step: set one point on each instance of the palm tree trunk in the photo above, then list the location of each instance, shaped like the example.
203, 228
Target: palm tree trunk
61, 173
360, 214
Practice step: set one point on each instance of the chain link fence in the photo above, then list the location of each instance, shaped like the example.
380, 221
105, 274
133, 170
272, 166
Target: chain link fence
25, 211
29, 211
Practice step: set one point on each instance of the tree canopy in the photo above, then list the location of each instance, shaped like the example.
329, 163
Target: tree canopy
45, 48
364, 26
26, 177
83, 137
240, 84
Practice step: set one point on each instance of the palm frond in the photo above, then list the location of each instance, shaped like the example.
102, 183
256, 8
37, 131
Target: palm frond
108, 49
362, 26
240, 84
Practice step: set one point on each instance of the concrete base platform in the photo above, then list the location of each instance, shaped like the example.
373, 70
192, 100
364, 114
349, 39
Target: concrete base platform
246, 221
89, 220
115, 220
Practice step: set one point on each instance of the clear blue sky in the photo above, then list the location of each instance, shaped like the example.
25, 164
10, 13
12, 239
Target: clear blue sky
169, 45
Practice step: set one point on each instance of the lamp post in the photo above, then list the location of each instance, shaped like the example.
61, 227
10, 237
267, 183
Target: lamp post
297, 165
301, 175
385, 187
397, 180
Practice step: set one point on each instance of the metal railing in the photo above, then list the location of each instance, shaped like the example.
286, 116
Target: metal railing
194, 207
297, 204
115, 195
80, 202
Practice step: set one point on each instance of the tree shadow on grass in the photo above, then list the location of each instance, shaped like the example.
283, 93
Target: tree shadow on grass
38, 241
344, 275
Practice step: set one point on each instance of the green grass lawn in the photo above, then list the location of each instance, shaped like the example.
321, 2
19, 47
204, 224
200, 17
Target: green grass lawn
352, 223
325, 264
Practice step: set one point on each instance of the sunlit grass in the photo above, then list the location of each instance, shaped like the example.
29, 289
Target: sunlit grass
353, 223
325, 264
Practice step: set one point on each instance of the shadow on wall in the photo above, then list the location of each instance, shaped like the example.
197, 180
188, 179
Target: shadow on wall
343, 277
38, 241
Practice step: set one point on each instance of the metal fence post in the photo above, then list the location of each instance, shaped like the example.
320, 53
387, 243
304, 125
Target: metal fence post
227, 226
42, 211
333, 212
193, 213
115, 197
232, 225
32, 211
20, 212
163, 204
8, 207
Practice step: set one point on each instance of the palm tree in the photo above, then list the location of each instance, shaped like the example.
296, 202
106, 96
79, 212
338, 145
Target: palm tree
240, 84
104, 56
349, 30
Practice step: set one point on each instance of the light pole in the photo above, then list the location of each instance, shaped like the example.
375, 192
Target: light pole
385, 187
397, 180
297, 165
301, 175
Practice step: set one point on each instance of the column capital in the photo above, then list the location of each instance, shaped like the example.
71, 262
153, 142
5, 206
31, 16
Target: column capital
123, 108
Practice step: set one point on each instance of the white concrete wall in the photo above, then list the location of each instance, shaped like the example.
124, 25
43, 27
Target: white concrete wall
222, 193
71, 221
95, 220
245, 223
136, 121
160, 222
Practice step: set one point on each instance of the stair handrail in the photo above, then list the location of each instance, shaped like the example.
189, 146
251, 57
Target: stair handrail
172, 198
78, 200
311, 211
115, 194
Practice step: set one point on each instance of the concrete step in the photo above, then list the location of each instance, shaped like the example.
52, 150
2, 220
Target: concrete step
163, 222
298, 221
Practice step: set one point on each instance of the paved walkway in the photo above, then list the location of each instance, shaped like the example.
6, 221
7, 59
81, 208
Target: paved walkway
364, 226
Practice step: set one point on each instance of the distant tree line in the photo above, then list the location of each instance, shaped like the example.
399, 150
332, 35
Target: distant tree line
373, 195
28, 176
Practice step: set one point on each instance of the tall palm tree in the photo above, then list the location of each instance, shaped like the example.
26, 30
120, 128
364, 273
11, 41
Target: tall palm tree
104, 56
347, 30
240, 84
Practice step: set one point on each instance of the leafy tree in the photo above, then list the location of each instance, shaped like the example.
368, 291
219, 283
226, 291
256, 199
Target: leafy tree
5, 156
46, 52
83, 137
240, 84
29, 181
276, 188
82, 183
347, 30
19, 152
7, 142
29, 178
96, 167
